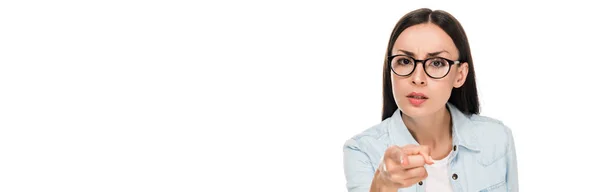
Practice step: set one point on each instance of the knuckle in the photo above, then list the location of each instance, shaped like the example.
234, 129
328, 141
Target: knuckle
388, 150
395, 169
397, 176
423, 172
405, 147
392, 153
402, 184
394, 179
390, 167
391, 150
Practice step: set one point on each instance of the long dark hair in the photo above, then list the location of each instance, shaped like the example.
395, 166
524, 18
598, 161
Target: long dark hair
464, 98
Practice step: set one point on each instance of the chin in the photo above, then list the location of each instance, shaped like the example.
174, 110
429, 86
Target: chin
424, 110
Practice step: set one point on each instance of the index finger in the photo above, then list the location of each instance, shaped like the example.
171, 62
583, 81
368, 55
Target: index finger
413, 161
422, 150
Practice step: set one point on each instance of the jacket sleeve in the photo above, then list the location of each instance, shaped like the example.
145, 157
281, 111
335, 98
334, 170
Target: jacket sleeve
512, 178
357, 168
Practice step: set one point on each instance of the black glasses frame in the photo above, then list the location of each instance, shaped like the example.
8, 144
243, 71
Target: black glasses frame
416, 61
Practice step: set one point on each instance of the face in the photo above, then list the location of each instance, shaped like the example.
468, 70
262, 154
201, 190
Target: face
419, 95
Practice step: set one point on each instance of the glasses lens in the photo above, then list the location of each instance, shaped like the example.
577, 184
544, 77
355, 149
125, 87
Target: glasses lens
402, 65
437, 67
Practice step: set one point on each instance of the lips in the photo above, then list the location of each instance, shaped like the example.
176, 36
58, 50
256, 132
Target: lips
416, 95
416, 99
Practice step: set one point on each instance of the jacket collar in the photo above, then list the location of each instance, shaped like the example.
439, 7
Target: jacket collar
462, 130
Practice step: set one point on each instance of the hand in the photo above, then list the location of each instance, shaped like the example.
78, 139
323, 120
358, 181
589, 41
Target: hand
404, 166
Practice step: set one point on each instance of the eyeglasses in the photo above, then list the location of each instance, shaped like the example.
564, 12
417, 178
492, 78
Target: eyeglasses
435, 67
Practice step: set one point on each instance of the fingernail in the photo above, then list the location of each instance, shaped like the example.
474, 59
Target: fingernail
431, 159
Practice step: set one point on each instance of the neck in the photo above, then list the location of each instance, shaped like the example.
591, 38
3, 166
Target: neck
434, 130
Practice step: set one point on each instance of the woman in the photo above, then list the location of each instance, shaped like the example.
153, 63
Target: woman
430, 137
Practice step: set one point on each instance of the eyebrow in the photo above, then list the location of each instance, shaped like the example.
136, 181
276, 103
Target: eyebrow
428, 54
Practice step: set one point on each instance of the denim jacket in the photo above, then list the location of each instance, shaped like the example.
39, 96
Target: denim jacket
484, 158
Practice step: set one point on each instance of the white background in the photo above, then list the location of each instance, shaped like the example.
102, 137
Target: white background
261, 96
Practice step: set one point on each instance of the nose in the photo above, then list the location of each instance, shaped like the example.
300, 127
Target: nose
419, 77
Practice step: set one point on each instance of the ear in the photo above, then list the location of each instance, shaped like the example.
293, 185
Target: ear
461, 76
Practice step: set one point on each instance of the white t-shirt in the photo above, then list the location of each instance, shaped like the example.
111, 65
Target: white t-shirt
438, 179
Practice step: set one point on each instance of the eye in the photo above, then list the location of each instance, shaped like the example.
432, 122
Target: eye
438, 63
403, 61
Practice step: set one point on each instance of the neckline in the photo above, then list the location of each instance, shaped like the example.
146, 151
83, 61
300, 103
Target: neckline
441, 162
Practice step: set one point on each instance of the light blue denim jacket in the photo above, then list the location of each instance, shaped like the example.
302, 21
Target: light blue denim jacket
484, 159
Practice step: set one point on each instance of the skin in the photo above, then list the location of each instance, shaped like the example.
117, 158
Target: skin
430, 122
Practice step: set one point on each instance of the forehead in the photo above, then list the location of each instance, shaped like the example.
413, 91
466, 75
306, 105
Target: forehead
424, 38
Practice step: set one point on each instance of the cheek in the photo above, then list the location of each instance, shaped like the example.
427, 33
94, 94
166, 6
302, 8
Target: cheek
398, 84
442, 87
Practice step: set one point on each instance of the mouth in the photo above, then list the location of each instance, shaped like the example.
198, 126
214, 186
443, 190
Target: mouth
416, 99
415, 95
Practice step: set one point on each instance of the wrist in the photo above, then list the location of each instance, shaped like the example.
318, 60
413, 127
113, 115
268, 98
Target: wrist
379, 184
